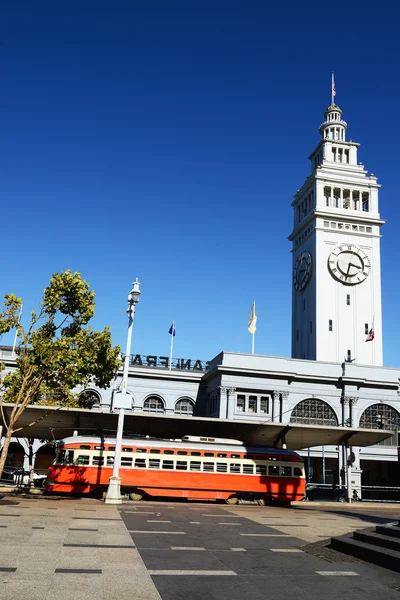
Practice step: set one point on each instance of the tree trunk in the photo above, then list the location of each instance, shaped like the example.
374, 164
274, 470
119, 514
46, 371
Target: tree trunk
4, 450
30, 457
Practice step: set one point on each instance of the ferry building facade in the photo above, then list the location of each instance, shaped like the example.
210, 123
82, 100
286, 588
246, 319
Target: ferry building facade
335, 376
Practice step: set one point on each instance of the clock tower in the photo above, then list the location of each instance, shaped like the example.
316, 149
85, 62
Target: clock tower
336, 304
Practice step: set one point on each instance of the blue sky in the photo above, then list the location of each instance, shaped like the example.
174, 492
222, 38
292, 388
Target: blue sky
165, 141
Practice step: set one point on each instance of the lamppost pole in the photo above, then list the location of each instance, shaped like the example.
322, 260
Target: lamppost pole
120, 401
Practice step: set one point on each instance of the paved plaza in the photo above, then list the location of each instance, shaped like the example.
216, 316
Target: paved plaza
81, 549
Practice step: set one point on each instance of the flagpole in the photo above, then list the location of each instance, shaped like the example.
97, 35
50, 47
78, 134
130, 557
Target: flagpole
172, 345
252, 341
333, 87
16, 331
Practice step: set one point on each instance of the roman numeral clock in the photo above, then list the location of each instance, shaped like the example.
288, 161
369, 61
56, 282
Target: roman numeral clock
349, 264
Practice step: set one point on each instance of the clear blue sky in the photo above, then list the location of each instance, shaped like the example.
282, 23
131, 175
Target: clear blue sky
165, 140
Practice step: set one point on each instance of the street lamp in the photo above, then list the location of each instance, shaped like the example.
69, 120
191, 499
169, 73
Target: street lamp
122, 401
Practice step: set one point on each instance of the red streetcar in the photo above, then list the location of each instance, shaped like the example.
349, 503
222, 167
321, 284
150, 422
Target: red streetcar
197, 468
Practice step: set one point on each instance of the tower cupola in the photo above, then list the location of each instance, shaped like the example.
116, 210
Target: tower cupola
333, 128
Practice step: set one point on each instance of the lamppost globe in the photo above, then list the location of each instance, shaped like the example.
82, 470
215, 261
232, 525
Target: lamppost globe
134, 294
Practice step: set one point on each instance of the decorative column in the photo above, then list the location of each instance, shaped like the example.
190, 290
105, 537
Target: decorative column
227, 402
285, 396
223, 402
276, 406
230, 399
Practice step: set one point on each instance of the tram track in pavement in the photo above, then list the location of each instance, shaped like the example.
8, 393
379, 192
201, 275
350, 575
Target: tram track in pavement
207, 552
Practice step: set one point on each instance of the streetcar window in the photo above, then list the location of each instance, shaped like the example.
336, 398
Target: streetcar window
261, 469
154, 463
221, 455
286, 471
155, 451
273, 470
195, 465
181, 465
298, 472
195, 453
208, 466
110, 461
248, 456
182, 452
66, 457
98, 460
234, 468
99, 447
83, 459
235, 455
222, 467
139, 450
169, 452
167, 464
140, 463
126, 461
111, 448
248, 469
84, 447
131, 450
208, 453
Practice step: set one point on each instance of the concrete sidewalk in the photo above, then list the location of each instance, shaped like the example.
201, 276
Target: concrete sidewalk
67, 548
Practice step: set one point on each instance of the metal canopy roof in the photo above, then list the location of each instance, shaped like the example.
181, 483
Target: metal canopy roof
62, 422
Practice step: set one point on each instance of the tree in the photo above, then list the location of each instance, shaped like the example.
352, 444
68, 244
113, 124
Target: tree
56, 353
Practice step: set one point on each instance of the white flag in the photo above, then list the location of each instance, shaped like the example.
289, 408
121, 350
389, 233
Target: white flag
252, 319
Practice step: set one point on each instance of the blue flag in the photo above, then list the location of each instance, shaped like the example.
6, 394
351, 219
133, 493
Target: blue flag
172, 329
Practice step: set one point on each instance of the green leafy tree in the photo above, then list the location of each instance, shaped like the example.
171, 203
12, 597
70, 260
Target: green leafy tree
56, 353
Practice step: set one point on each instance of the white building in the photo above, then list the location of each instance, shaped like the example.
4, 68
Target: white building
335, 377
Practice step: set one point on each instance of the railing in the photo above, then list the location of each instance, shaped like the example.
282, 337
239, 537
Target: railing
162, 362
380, 493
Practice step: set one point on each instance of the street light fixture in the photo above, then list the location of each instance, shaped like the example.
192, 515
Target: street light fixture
122, 401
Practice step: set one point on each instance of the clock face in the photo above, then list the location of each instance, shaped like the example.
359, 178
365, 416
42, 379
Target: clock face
302, 271
349, 264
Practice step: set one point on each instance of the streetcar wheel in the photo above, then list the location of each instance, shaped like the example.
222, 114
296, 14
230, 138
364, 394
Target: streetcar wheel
232, 500
262, 501
136, 496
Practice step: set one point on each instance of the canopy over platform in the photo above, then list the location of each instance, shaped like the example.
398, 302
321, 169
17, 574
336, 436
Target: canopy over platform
56, 423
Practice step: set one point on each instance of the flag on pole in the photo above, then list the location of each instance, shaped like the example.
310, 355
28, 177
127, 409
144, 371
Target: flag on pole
333, 87
371, 335
252, 319
172, 329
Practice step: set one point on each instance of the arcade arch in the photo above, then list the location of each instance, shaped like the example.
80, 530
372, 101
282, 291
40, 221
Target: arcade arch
313, 411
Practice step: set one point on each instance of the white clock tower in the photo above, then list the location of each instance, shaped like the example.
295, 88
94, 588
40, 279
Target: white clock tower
336, 254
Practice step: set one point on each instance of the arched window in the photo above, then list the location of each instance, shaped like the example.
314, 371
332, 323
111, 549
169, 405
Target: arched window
382, 416
89, 399
184, 406
313, 412
154, 404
